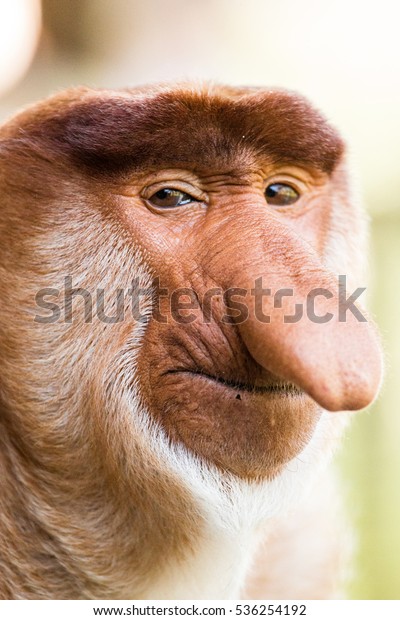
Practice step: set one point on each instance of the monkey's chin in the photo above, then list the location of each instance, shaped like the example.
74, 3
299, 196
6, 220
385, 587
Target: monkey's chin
249, 431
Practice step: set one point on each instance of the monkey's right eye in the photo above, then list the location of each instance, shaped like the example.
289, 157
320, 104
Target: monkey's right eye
168, 198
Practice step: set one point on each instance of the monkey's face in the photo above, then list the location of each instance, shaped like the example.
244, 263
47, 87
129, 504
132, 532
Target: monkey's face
209, 237
237, 202
226, 367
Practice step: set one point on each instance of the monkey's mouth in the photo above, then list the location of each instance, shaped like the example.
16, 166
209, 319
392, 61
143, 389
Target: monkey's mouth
274, 387
235, 415
250, 425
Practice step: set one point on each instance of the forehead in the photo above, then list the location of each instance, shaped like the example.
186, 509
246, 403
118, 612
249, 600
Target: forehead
111, 132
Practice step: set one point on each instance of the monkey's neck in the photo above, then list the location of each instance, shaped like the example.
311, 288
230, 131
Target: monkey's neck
215, 570
65, 540
68, 559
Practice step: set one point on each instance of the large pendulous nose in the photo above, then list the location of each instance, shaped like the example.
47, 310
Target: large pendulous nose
302, 325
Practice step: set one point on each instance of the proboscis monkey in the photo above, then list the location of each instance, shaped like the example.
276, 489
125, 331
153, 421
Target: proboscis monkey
178, 353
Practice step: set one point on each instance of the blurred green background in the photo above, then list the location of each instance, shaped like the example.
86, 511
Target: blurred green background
345, 56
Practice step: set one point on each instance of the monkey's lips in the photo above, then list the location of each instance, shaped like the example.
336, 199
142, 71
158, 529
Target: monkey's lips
273, 387
247, 428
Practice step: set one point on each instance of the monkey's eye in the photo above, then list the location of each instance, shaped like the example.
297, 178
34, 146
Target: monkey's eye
281, 194
170, 198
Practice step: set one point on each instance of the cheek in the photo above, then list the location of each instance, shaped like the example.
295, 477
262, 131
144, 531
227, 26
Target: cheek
163, 240
314, 225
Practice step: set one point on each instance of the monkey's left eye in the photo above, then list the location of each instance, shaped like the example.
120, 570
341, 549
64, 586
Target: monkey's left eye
169, 198
281, 194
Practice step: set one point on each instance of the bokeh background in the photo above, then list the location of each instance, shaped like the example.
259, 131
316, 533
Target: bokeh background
345, 56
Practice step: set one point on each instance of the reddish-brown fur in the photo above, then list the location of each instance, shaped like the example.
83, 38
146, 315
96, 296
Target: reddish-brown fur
87, 509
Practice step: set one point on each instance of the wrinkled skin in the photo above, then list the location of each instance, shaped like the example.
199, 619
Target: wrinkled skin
272, 420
